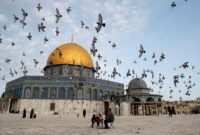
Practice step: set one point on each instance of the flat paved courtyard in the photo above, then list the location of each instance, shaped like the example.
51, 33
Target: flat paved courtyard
13, 124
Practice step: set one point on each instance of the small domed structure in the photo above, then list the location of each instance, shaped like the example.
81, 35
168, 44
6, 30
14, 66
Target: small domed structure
137, 85
141, 101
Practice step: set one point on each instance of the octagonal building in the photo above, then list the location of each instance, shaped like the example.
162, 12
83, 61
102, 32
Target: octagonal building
67, 87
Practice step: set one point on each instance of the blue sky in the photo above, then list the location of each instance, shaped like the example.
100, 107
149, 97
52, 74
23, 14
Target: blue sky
129, 23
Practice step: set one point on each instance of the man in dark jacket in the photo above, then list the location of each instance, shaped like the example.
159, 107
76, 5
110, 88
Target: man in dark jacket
109, 118
93, 120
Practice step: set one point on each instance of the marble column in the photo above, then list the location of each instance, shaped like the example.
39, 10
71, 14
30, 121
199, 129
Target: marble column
156, 108
143, 109
9, 103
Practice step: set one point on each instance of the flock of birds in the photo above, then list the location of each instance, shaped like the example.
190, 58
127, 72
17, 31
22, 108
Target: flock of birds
100, 72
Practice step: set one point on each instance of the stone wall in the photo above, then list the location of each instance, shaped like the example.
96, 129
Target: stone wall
64, 107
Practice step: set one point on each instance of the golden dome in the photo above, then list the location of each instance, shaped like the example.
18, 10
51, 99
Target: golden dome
72, 54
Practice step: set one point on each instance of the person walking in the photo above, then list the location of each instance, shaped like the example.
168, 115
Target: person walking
32, 113
24, 113
84, 113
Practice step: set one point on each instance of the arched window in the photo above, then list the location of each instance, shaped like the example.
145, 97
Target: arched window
95, 95
61, 93
51, 71
81, 71
100, 95
112, 96
106, 95
27, 92
80, 93
159, 99
70, 93
36, 92
44, 93
70, 71
53, 93
150, 99
136, 100
88, 93
60, 70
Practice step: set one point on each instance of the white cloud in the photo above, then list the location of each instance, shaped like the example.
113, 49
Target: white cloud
3, 19
126, 16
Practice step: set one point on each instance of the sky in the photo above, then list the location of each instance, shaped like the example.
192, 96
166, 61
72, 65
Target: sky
129, 23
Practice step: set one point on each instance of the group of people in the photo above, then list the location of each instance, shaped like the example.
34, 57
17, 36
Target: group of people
98, 118
32, 114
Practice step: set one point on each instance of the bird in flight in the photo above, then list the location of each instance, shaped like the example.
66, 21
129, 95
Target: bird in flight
22, 63
57, 31
59, 52
11, 72
39, 7
25, 71
68, 9
15, 71
141, 51
41, 27
114, 45
154, 55
93, 50
119, 61
173, 4
100, 23
162, 57
24, 13
23, 23
185, 65
58, 15
82, 24
97, 68
43, 18
45, 40
23, 54
15, 18
128, 73
3, 77
41, 52
36, 62
12, 43
99, 56
8, 61
29, 36
4, 27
